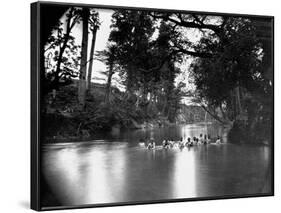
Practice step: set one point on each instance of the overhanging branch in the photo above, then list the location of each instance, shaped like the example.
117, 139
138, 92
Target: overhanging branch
189, 24
193, 53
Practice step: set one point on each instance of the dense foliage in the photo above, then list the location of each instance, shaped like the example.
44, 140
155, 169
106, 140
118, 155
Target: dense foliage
233, 80
145, 54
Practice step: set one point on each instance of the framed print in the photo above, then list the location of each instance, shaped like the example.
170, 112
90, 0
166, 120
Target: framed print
140, 105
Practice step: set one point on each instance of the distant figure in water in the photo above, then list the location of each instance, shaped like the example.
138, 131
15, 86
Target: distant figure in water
189, 142
200, 139
165, 144
197, 141
186, 143
218, 141
151, 144
181, 143
181, 140
194, 141
205, 139
171, 143
208, 139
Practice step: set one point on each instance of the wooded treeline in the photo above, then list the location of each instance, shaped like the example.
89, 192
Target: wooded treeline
145, 50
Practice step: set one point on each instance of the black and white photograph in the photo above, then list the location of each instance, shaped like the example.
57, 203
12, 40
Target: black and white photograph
140, 105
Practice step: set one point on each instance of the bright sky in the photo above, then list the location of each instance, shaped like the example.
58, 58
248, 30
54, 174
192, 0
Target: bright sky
101, 40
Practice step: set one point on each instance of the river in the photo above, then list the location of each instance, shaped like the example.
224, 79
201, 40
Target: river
114, 168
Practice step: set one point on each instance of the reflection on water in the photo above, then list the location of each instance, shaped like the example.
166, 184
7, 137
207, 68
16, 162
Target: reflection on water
118, 170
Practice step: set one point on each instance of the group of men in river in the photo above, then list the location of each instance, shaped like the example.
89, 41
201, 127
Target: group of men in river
168, 144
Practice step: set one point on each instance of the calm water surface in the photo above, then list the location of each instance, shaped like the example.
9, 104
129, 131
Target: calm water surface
117, 169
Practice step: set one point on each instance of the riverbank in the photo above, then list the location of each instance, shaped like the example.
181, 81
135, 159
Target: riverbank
62, 125
116, 129
62, 119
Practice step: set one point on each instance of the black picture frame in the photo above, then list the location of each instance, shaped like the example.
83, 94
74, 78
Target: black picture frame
37, 64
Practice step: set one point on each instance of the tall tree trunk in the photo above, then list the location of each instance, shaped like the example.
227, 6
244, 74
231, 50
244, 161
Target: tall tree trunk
164, 105
83, 64
129, 83
69, 26
90, 69
108, 85
238, 100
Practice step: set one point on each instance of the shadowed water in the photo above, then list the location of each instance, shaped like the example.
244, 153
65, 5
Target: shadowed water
117, 169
